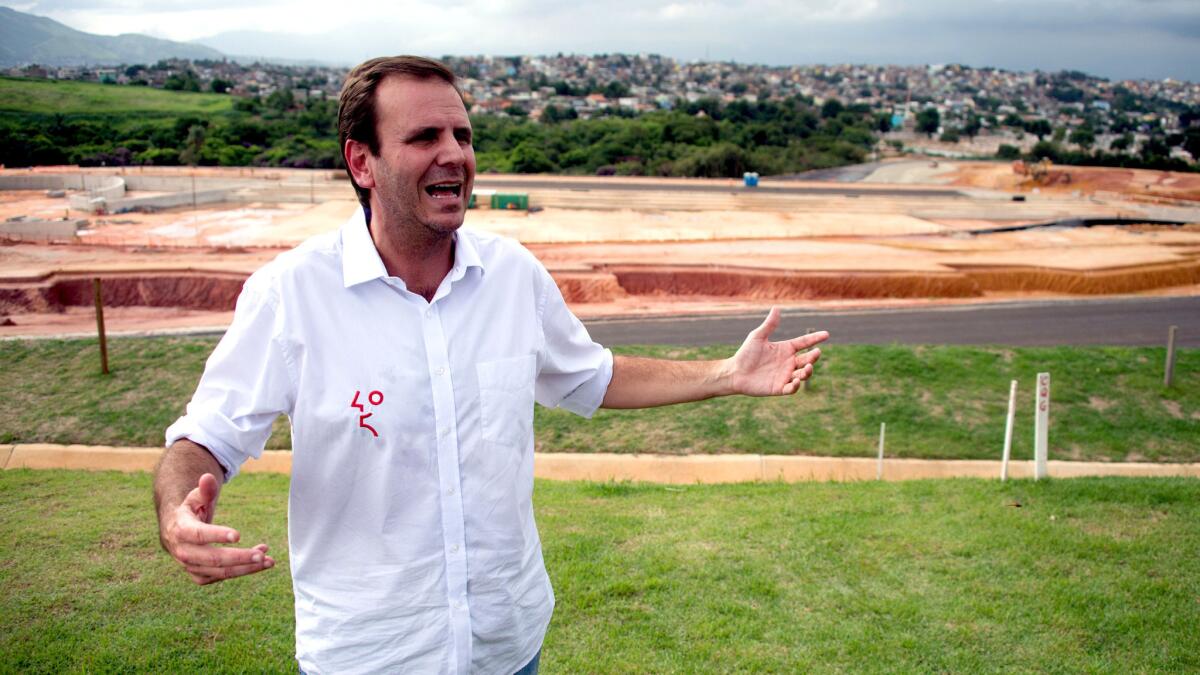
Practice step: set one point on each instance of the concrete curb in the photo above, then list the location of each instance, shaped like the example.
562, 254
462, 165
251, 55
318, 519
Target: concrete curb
645, 468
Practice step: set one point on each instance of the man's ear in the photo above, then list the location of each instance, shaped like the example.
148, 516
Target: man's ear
356, 154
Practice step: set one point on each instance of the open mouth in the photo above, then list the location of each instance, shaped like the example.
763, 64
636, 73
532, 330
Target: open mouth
448, 190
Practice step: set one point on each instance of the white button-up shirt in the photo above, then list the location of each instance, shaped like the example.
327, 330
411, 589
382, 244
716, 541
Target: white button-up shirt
411, 531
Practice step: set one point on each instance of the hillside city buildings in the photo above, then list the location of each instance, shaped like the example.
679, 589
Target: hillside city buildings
985, 101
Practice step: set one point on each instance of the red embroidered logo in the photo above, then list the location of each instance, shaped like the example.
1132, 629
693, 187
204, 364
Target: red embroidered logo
374, 398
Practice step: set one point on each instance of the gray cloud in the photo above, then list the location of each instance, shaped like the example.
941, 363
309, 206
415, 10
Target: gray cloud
1112, 38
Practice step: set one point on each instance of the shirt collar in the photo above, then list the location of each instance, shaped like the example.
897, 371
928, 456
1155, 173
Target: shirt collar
361, 261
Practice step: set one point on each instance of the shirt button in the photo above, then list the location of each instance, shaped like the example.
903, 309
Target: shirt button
429, 313
440, 371
450, 491
454, 548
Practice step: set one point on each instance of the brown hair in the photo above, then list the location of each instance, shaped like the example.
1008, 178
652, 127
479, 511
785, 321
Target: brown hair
356, 105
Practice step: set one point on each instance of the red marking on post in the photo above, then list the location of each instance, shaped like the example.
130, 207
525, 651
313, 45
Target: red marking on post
372, 395
355, 403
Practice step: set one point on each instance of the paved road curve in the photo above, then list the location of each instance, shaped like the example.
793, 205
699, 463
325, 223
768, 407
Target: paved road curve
1125, 321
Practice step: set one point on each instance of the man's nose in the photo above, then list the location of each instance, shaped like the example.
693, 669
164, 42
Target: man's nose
450, 151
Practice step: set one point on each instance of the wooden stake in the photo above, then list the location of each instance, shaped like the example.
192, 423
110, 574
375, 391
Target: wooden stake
882, 432
1170, 367
1008, 428
100, 325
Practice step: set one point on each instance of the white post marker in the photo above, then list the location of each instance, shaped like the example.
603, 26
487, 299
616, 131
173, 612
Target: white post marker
879, 470
1008, 427
1041, 426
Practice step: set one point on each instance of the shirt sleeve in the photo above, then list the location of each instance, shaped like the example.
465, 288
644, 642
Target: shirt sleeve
246, 385
573, 371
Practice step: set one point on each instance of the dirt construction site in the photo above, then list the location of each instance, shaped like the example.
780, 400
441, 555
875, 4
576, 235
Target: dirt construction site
172, 246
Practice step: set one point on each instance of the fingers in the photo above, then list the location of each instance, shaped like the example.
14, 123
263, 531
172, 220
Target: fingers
209, 487
807, 358
206, 574
768, 325
805, 341
802, 373
191, 555
203, 498
190, 529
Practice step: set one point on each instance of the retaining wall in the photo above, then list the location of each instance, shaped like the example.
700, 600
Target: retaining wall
40, 230
108, 188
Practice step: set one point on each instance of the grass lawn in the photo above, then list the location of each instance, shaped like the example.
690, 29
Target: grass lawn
1108, 403
24, 95
1083, 575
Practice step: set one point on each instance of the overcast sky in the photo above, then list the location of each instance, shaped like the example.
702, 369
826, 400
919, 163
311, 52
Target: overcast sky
1117, 39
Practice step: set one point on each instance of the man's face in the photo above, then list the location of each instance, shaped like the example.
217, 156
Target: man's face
426, 166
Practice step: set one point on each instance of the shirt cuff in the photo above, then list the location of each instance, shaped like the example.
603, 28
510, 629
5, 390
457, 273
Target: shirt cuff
229, 458
587, 397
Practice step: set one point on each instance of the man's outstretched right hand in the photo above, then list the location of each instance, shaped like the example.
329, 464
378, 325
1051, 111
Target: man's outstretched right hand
190, 537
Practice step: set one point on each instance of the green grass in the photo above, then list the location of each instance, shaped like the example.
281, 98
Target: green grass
1083, 575
938, 402
24, 95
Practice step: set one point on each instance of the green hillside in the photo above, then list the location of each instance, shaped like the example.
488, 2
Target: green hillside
23, 95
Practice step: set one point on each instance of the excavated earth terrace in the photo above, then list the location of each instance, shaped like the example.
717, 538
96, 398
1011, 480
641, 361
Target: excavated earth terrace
619, 246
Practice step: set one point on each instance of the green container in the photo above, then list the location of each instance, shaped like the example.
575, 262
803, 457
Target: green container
471, 201
513, 200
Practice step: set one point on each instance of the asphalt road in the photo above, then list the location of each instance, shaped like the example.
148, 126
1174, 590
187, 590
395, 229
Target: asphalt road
1124, 321
765, 188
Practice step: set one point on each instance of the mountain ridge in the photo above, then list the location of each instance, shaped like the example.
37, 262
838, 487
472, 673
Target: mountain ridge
27, 39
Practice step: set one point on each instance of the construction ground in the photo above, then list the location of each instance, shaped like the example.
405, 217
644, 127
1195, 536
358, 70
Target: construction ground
173, 245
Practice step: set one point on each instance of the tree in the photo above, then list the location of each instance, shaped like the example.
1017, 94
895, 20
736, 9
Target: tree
1191, 142
220, 86
553, 114
527, 157
185, 81
972, 126
615, 90
832, 108
1039, 128
1006, 151
1083, 137
193, 146
928, 121
281, 100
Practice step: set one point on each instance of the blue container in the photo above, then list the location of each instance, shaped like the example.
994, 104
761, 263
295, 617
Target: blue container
751, 179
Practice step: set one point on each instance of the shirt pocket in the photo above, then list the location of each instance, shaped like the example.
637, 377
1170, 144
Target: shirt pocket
506, 399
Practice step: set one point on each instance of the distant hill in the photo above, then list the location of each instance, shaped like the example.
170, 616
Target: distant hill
26, 38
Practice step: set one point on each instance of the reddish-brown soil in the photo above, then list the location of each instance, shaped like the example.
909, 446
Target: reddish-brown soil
1130, 183
183, 267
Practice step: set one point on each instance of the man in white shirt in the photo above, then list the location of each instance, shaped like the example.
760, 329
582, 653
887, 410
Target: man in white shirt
408, 354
